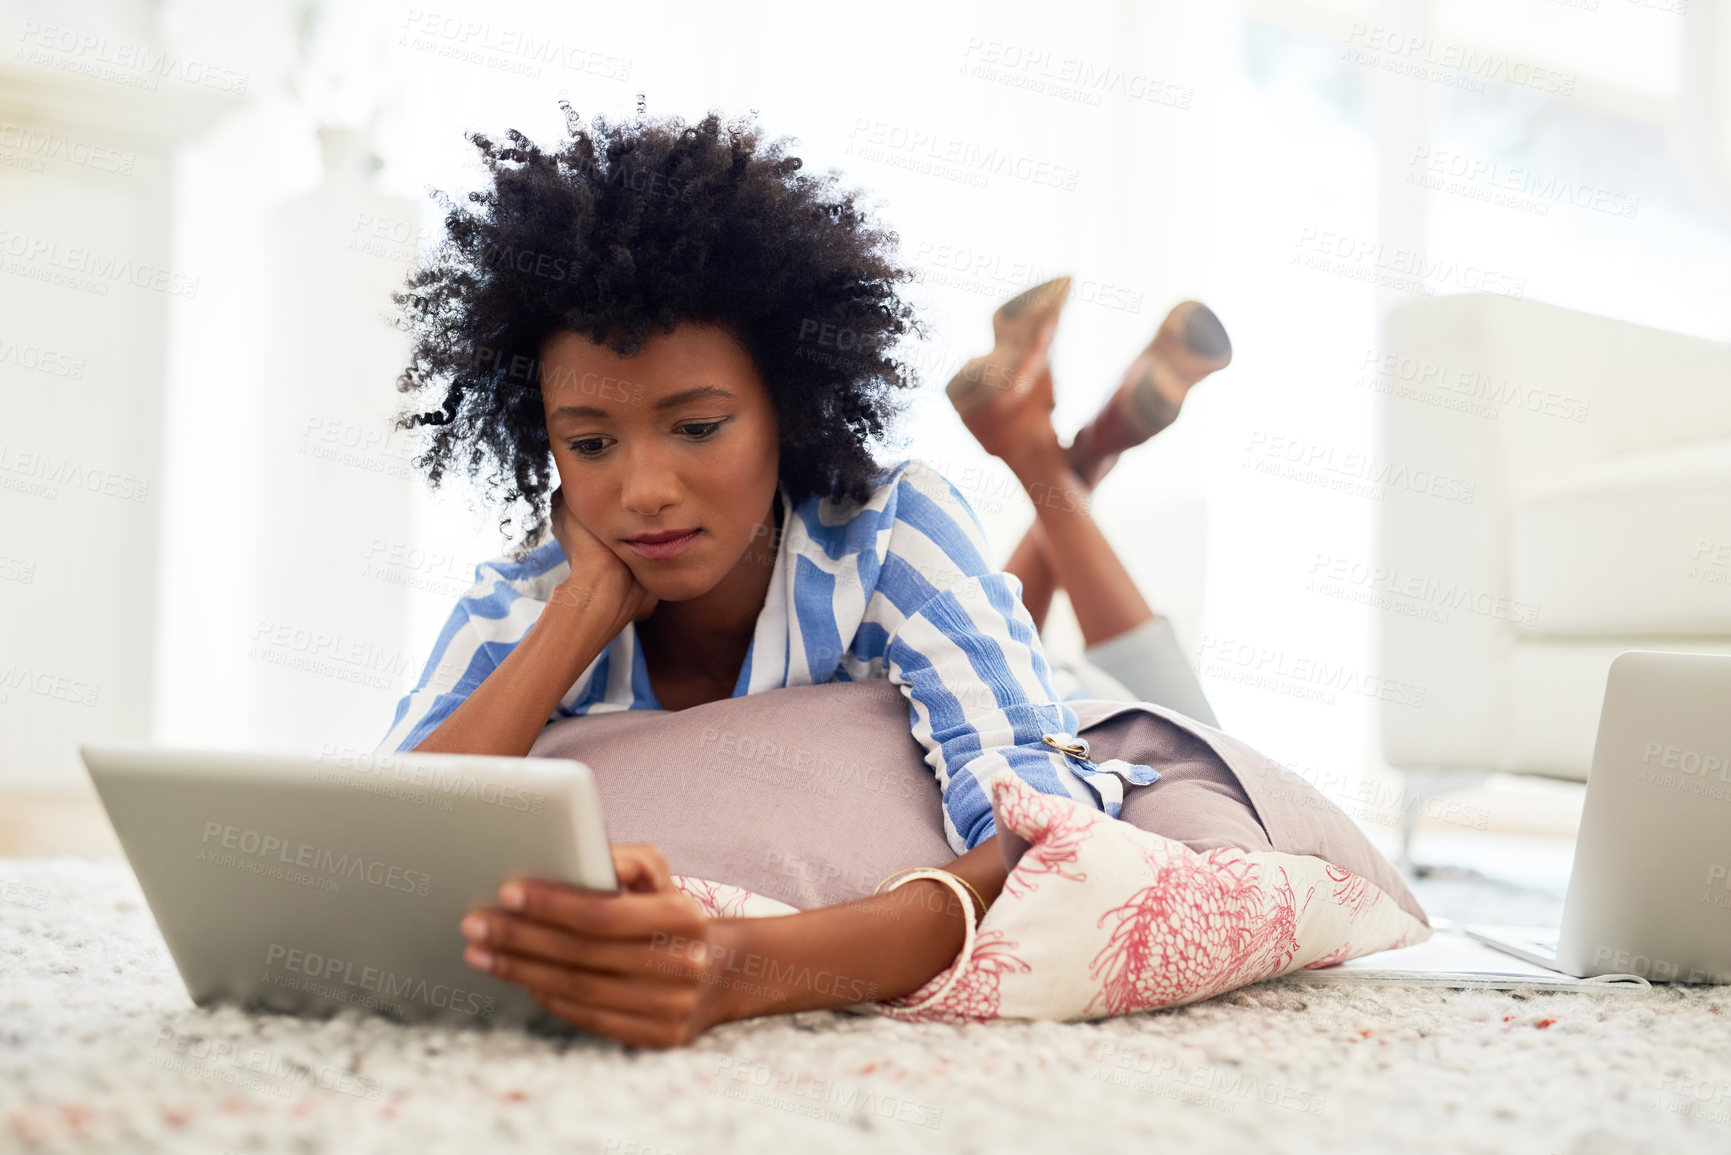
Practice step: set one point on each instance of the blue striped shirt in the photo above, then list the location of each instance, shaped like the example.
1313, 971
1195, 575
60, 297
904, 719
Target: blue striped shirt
896, 587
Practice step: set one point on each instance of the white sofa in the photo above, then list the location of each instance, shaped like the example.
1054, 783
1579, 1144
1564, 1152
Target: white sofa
1587, 511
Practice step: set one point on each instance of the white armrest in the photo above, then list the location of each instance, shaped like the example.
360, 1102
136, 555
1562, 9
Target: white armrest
1503, 397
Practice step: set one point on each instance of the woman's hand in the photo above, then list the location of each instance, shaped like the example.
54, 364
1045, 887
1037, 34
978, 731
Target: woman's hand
598, 576
634, 966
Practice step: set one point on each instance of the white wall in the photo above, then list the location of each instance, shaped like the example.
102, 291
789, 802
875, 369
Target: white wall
88, 277
1257, 133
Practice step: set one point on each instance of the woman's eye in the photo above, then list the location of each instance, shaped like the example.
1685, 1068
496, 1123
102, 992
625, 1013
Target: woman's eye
587, 447
701, 430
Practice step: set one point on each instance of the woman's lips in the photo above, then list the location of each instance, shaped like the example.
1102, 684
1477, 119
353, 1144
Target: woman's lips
655, 550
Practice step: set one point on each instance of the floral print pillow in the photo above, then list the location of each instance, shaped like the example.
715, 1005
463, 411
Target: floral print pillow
1099, 917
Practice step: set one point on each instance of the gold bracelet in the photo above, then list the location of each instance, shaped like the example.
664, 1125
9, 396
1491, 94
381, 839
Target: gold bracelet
970, 938
927, 871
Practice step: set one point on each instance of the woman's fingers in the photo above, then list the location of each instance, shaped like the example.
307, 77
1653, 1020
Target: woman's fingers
632, 1030
502, 932
603, 915
656, 996
631, 964
641, 867
559, 516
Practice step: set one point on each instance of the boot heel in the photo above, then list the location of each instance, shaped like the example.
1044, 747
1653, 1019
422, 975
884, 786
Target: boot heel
1016, 325
1027, 309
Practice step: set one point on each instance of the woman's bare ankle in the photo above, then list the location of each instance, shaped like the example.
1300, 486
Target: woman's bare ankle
1039, 459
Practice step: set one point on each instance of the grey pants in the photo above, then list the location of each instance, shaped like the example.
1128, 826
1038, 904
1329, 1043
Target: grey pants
1148, 662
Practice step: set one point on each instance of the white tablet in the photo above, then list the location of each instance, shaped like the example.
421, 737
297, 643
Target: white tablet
309, 884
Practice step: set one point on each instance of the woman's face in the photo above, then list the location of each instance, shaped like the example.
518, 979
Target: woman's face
682, 436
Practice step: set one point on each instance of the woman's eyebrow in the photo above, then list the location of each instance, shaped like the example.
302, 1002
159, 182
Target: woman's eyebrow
669, 402
693, 395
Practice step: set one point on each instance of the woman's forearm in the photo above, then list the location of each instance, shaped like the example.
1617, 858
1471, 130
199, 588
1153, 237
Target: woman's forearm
506, 712
874, 948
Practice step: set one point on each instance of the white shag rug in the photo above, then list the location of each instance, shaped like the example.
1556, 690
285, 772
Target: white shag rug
101, 1050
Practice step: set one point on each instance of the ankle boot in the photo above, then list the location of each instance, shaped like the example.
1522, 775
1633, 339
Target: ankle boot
1190, 344
1016, 325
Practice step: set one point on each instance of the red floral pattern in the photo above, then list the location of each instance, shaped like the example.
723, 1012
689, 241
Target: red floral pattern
1056, 832
718, 899
1356, 894
1206, 925
1173, 926
1339, 955
975, 997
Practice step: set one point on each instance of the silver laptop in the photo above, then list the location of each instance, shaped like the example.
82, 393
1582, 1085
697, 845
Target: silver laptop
311, 884
1650, 891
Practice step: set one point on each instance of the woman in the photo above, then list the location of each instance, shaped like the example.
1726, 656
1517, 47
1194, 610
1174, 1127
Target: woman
697, 338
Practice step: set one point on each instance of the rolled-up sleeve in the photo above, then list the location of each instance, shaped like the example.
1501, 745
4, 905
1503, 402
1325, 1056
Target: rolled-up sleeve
485, 625
969, 661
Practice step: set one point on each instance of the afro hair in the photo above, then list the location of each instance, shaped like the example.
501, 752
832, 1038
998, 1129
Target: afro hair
632, 227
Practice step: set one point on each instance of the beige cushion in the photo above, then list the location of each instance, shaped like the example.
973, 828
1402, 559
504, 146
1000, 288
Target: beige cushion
813, 794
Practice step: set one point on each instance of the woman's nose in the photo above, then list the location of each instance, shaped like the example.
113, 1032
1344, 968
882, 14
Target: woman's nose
649, 485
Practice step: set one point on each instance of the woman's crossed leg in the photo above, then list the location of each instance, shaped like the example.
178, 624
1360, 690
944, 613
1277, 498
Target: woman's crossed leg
1005, 399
